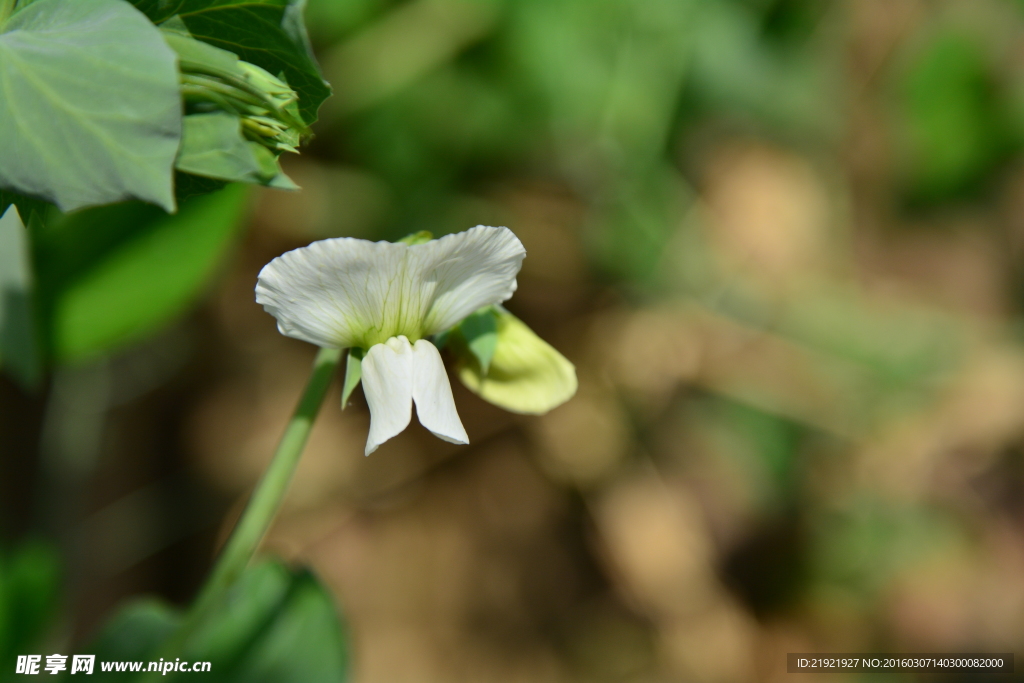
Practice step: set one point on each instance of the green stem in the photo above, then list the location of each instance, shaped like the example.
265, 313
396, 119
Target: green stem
227, 90
263, 505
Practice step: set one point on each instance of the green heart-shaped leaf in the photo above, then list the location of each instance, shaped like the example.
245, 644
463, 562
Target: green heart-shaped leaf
89, 105
276, 625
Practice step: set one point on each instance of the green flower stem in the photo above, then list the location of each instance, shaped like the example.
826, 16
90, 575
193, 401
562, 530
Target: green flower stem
262, 506
270, 491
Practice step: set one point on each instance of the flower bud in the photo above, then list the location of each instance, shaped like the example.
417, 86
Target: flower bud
214, 80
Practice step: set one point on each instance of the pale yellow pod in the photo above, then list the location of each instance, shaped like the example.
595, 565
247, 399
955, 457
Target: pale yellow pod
526, 375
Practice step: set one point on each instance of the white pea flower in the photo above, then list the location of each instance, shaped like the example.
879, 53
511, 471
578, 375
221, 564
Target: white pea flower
386, 298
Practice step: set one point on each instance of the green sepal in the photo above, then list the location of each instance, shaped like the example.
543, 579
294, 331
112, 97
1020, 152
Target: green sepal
353, 374
272, 169
480, 332
421, 237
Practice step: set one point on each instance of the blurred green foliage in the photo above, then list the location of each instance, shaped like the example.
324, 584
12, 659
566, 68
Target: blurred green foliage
598, 92
105, 277
112, 275
30, 588
957, 122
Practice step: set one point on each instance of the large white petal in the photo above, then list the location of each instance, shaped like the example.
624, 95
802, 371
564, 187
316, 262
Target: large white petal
337, 292
388, 380
348, 292
465, 271
433, 394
